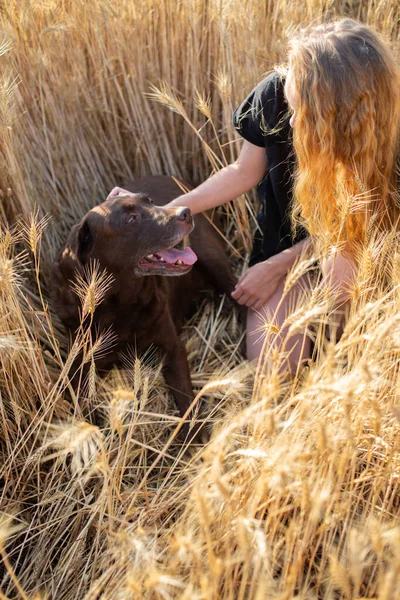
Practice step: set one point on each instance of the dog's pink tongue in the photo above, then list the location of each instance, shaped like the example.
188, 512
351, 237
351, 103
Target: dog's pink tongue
187, 256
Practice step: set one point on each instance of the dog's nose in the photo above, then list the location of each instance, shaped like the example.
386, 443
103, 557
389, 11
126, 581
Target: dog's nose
184, 214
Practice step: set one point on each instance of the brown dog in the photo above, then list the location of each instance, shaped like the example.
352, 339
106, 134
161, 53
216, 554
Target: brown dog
134, 238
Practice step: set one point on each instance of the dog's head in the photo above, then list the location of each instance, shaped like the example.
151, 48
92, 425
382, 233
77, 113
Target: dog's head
129, 233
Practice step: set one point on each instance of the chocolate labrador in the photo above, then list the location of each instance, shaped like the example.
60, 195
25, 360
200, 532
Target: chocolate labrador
139, 242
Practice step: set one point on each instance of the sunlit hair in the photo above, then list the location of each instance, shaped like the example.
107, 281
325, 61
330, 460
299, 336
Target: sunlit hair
346, 133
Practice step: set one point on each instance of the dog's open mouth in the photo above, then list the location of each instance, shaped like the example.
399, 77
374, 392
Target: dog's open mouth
174, 261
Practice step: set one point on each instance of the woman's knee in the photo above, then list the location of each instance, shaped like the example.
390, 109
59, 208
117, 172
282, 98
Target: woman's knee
267, 333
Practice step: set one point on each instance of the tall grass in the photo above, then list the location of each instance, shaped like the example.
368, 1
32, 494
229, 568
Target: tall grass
297, 493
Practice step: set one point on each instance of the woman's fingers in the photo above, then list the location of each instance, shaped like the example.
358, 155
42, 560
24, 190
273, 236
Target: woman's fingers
241, 296
237, 292
249, 299
116, 191
244, 294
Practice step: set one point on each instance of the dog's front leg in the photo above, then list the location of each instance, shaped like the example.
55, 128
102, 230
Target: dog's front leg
177, 376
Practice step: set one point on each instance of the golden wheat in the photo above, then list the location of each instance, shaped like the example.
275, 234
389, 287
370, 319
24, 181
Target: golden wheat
297, 493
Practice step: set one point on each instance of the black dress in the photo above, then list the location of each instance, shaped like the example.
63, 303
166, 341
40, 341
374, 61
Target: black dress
263, 120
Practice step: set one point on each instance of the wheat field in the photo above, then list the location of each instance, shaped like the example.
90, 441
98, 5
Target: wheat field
296, 495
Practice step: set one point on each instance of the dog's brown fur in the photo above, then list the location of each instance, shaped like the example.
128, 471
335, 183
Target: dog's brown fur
142, 311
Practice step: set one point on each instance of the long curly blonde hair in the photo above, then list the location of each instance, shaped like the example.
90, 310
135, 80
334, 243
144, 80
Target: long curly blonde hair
346, 134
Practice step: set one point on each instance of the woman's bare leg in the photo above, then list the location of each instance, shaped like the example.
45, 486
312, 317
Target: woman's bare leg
275, 311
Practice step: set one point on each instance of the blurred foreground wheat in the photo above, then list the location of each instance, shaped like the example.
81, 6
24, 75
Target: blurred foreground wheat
297, 493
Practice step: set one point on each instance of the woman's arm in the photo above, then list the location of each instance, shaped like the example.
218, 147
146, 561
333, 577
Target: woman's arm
228, 183
225, 185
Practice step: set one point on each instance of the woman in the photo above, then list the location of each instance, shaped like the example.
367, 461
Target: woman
342, 90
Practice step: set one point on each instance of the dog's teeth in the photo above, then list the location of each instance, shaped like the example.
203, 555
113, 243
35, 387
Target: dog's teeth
161, 258
150, 256
179, 262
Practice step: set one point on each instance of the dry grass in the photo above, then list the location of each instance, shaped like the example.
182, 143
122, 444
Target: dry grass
297, 493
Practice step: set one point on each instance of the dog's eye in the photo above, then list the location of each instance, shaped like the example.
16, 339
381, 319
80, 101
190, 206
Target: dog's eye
132, 218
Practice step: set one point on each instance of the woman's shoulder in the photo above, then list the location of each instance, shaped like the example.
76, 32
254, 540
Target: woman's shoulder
269, 94
272, 84
260, 111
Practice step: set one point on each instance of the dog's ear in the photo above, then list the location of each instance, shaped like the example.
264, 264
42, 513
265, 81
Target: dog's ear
77, 249
85, 241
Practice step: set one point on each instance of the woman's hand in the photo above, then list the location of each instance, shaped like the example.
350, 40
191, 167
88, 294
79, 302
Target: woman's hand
116, 191
258, 283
